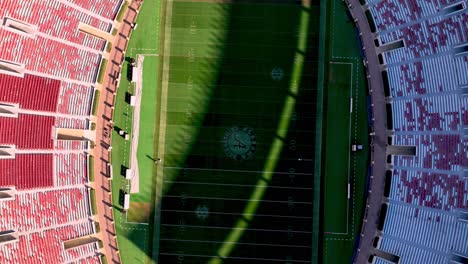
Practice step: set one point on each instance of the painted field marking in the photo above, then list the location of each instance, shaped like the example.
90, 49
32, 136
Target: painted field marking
238, 185
240, 171
239, 213
232, 199
233, 242
240, 228
240, 258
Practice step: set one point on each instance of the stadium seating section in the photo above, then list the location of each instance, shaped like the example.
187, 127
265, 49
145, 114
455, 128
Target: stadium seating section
60, 67
428, 111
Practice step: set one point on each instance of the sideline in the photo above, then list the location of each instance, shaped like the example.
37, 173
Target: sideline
104, 126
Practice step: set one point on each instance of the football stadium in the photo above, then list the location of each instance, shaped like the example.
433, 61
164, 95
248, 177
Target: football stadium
234, 131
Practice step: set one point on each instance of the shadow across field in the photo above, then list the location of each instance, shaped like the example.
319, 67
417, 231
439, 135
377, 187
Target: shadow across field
240, 138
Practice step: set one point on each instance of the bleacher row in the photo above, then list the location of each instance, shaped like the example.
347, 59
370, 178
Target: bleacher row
40, 209
434, 190
418, 78
27, 171
71, 169
17, 90
431, 229
35, 131
55, 19
426, 190
461, 63
438, 151
429, 113
75, 99
47, 246
382, 261
389, 14
104, 8
48, 56
44, 94
72, 145
410, 253
436, 35
71, 123
90, 260
27, 131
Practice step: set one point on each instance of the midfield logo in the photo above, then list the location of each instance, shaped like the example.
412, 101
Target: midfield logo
239, 143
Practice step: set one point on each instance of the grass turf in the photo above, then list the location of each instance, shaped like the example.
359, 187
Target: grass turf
341, 49
337, 145
239, 71
135, 239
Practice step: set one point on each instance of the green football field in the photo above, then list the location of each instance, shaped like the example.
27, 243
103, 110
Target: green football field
237, 133
233, 109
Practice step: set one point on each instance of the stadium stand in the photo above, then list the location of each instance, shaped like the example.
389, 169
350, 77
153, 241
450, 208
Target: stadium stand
46, 246
18, 90
71, 123
75, 99
44, 14
105, 8
42, 209
71, 169
70, 145
27, 171
428, 190
17, 131
46, 56
48, 70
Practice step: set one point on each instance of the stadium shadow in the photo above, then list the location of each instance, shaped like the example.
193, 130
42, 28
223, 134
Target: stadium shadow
258, 73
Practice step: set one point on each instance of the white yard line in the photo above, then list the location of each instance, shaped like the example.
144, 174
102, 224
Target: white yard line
240, 258
240, 185
233, 242
232, 199
240, 228
240, 171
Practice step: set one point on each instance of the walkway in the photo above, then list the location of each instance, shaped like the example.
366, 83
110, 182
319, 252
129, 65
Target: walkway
378, 141
102, 150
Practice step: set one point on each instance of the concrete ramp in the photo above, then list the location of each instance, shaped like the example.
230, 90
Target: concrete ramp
75, 134
95, 32
80, 241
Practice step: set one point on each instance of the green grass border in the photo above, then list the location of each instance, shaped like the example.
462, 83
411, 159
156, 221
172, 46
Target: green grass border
91, 168
97, 94
92, 195
122, 10
104, 259
102, 69
109, 47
